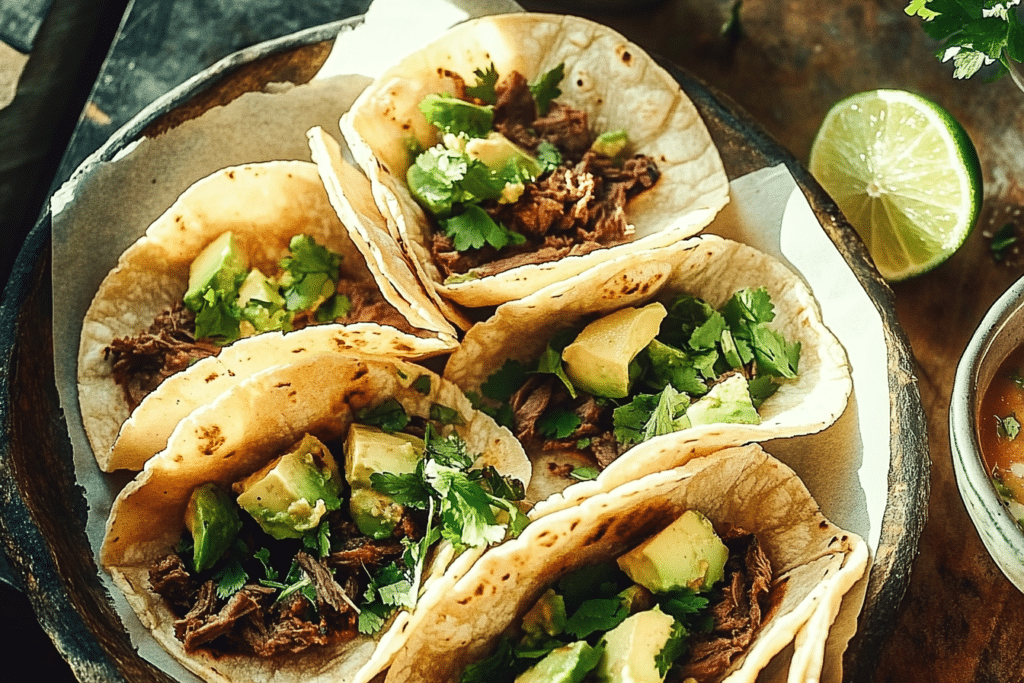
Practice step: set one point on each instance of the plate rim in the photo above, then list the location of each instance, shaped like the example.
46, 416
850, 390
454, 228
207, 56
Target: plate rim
909, 467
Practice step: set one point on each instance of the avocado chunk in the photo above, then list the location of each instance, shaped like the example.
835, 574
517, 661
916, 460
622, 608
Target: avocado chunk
375, 514
545, 619
611, 143
598, 360
262, 306
631, 648
496, 151
290, 494
728, 401
685, 554
567, 664
212, 519
221, 266
370, 449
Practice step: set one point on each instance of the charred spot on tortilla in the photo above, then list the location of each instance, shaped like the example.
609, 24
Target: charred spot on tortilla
210, 439
212, 376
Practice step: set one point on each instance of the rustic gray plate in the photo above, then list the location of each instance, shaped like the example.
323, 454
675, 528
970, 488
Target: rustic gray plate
43, 511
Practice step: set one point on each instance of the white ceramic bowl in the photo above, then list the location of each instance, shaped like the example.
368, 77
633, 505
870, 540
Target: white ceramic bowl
1000, 332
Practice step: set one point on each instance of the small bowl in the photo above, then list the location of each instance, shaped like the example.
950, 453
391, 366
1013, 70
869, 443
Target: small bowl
1000, 332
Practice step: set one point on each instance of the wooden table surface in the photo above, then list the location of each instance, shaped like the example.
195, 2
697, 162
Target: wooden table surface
787, 62
790, 61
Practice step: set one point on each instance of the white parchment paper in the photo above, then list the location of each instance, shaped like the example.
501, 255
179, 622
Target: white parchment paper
108, 206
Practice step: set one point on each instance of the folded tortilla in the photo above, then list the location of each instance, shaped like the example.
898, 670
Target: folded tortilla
264, 205
616, 83
238, 433
814, 562
708, 267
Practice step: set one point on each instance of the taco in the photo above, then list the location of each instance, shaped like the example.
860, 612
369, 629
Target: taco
643, 361
518, 150
333, 559
154, 346
712, 601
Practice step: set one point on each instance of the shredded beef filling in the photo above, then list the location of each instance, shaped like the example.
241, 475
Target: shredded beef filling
168, 346
737, 616
539, 393
253, 620
577, 208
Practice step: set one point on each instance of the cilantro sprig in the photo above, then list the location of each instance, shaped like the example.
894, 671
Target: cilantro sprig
974, 33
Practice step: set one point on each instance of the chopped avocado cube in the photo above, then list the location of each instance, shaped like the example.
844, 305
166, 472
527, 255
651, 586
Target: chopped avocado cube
728, 401
632, 647
212, 519
221, 266
369, 449
257, 287
598, 360
686, 554
496, 151
611, 143
546, 618
375, 514
567, 664
290, 494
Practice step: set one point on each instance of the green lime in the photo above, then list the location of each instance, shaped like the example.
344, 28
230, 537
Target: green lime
904, 173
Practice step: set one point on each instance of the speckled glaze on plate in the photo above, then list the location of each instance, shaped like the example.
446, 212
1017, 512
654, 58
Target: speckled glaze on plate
42, 511
1000, 332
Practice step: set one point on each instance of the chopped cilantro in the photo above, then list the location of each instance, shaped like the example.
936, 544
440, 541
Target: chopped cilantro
335, 307
631, 419
584, 473
217, 316
1003, 240
484, 88
673, 648
445, 415
545, 88
422, 384
310, 274
452, 115
474, 228
230, 578
596, 614
505, 381
548, 156
558, 423
390, 416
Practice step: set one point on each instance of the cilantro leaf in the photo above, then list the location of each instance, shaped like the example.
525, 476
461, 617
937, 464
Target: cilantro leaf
974, 34
336, 306
669, 415
390, 416
1003, 241
558, 423
597, 614
748, 306
545, 88
761, 388
584, 473
405, 489
422, 384
550, 360
492, 668
452, 115
434, 179
310, 274
505, 381
445, 415
263, 555
630, 420
474, 228
230, 579
548, 156
670, 366
773, 354
673, 649
217, 316
484, 89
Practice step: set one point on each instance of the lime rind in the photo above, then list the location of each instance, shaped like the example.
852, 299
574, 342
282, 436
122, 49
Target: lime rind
904, 173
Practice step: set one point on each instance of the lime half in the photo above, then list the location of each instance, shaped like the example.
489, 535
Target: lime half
904, 173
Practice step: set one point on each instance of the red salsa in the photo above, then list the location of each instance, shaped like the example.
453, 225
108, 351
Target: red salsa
1001, 431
